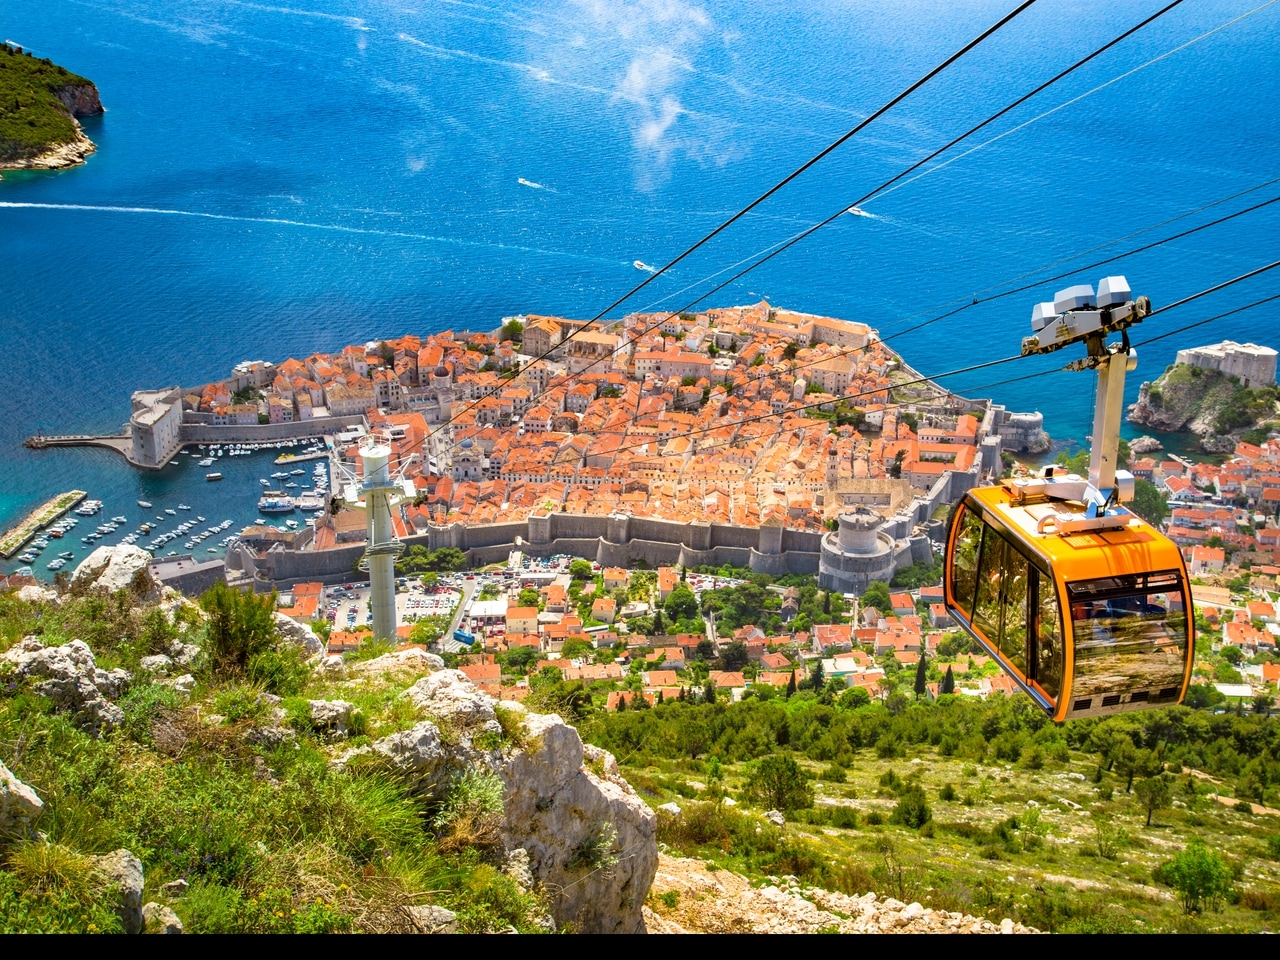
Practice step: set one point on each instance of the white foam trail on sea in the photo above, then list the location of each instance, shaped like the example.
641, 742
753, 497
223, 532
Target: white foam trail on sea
536, 186
278, 221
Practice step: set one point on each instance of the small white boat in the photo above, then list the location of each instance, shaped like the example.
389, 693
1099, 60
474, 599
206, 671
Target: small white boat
144, 504
641, 265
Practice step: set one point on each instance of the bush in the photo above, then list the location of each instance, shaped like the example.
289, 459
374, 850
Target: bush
778, 783
912, 809
1199, 874
947, 793
240, 626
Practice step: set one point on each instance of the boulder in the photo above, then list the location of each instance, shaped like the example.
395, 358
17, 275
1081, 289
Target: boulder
449, 695
670, 808
35, 594
73, 681
160, 919
1145, 445
122, 870
331, 716
296, 633
183, 684
114, 568
159, 664
411, 660
183, 654
19, 804
174, 889
433, 919
776, 818
590, 841
421, 756
332, 667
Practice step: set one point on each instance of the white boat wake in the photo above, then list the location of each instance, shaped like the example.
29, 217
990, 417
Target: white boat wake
278, 221
536, 186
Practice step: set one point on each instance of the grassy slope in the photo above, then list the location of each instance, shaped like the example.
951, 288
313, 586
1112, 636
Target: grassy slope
32, 118
1006, 846
270, 839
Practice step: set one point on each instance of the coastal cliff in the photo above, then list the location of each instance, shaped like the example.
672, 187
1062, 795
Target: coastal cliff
1209, 404
40, 106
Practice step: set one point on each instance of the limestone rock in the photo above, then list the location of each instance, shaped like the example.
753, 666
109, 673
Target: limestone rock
1145, 445
294, 632
332, 667
183, 684
411, 661
159, 664
449, 695
590, 842
174, 889
671, 808
114, 568
183, 654
35, 594
73, 681
776, 818
122, 870
419, 754
331, 715
19, 804
160, 919
433, 919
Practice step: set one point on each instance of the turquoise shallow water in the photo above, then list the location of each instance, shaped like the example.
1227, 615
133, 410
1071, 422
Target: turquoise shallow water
273, 180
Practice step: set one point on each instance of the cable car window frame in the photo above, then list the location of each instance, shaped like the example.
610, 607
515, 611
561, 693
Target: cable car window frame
1113, 643
1034, 608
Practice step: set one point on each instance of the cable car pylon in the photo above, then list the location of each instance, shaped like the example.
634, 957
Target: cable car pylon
377, 492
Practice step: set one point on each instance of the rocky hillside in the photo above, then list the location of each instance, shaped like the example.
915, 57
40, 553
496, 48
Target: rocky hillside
40, 104
168, 766
1214, 407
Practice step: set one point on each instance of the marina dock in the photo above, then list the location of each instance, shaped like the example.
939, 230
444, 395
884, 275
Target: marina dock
41, 516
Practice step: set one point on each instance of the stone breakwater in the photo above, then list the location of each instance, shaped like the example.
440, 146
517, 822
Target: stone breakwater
723, 902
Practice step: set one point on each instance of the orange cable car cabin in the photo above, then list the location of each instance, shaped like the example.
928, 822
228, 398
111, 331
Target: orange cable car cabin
1088, 623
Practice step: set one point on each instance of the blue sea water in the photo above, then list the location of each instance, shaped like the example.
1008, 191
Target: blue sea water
276, 178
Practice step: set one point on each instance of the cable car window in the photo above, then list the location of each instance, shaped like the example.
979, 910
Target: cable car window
964, 571
1000, 607
1129, 633
1048, 640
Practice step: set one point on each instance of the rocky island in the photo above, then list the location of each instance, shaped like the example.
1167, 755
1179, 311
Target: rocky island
1221, 393
41, 104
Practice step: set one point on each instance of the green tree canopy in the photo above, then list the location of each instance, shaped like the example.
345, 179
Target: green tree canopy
681, 604
777, 783
580, 570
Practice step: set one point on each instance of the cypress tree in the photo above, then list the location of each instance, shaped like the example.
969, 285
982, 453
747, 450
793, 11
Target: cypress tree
791, 684
709, 692
921, 676
948, 682
622, 703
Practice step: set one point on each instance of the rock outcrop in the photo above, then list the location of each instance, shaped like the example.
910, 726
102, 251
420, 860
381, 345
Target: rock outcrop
571, 823
123, 871
296, 633
116, 568
591, 840
80, 99
1203, 402
19, 804
71, 678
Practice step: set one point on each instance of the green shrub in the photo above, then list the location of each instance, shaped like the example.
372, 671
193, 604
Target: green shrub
947, 793
1199, 874
912, 809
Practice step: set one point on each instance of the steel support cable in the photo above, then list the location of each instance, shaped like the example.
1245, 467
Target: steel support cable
773, 251
1128, 253
986, 34
928, 379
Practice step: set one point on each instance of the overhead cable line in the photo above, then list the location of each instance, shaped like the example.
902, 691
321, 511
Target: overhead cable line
1145, 247
1088, 93
1023, 6
1201, 323
778, 248
929, 379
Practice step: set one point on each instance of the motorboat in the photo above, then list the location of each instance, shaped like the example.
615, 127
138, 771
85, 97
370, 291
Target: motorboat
144, 504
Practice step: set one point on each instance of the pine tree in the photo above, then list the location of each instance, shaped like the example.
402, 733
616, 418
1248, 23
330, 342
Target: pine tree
948, 682
921, 676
